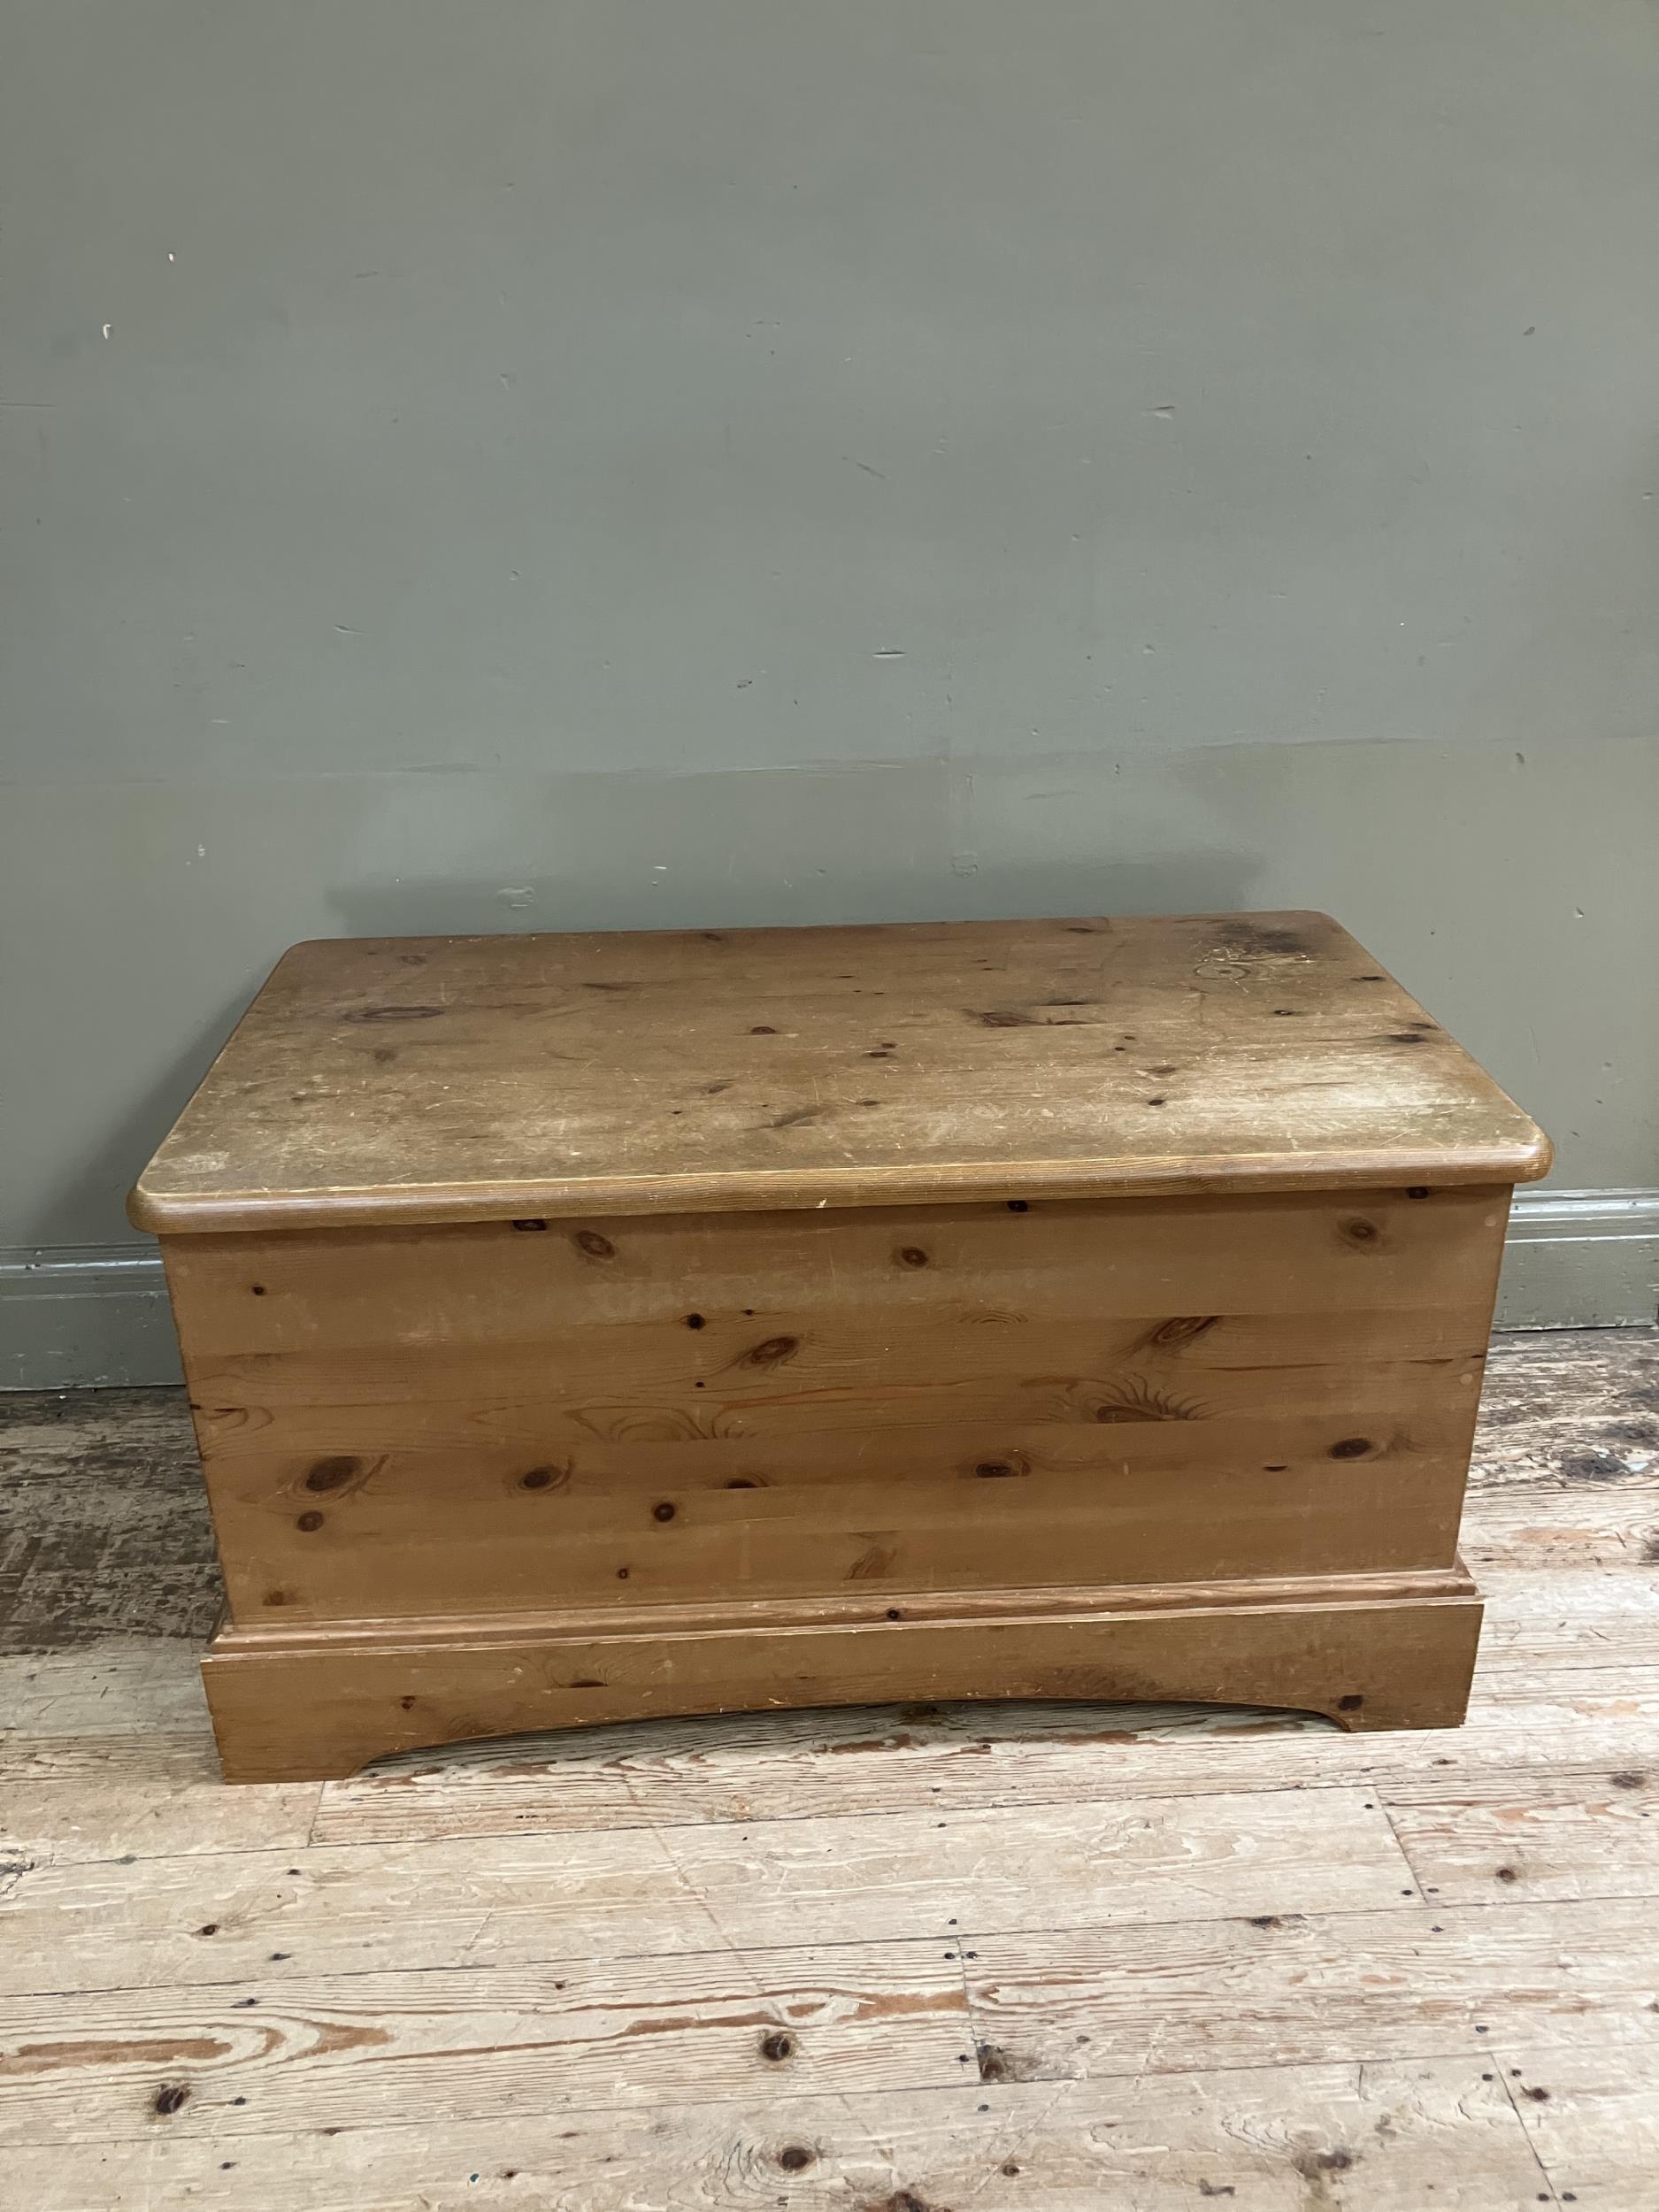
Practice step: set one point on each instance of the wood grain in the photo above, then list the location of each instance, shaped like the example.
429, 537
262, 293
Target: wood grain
113, 1707
526, 1296
69, 1821
149, 1783
1571, 1617
1569, 1428
1580, 1833
1370, 1655
946, 1266
1333, 2059
522, 1901
1030, 1756
856, 1375
1427, 1981
434, 1422
1571, 1530
476, 1079
258, 2053
1592, 2117
103, 1529
1272, 2139
1578, 1407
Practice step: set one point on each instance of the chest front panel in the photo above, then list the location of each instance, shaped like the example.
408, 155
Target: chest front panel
622, 1410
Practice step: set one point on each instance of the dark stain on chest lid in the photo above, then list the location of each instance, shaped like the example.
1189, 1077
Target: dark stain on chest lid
1246, 936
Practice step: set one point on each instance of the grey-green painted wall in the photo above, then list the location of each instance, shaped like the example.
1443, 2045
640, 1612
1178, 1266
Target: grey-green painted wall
512, 464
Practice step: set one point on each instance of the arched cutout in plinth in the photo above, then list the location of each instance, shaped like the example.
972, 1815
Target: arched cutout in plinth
306, 1705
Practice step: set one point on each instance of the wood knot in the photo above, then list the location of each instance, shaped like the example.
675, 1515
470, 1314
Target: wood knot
171, 2098
1361, 1232
309, 1522
529, 1225
1185, 1329
777, 2047
331, 1474
773, 1352
543, 1477
997, 1469
911, 1256
795, 2158
663, 1512
597, 1248
995, 2063
1352, 1448
1314, 2165
1135, 1399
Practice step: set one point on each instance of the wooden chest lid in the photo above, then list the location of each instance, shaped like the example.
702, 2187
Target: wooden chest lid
476, 1079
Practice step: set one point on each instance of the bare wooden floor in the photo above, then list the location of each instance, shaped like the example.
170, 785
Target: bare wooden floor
1031, 1959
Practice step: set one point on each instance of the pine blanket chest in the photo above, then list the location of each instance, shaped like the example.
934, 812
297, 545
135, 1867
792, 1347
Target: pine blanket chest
586, 1327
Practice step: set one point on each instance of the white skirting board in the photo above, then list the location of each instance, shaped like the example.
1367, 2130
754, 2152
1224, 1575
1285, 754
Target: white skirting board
85, 1317
95, 1316
1581, 1259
